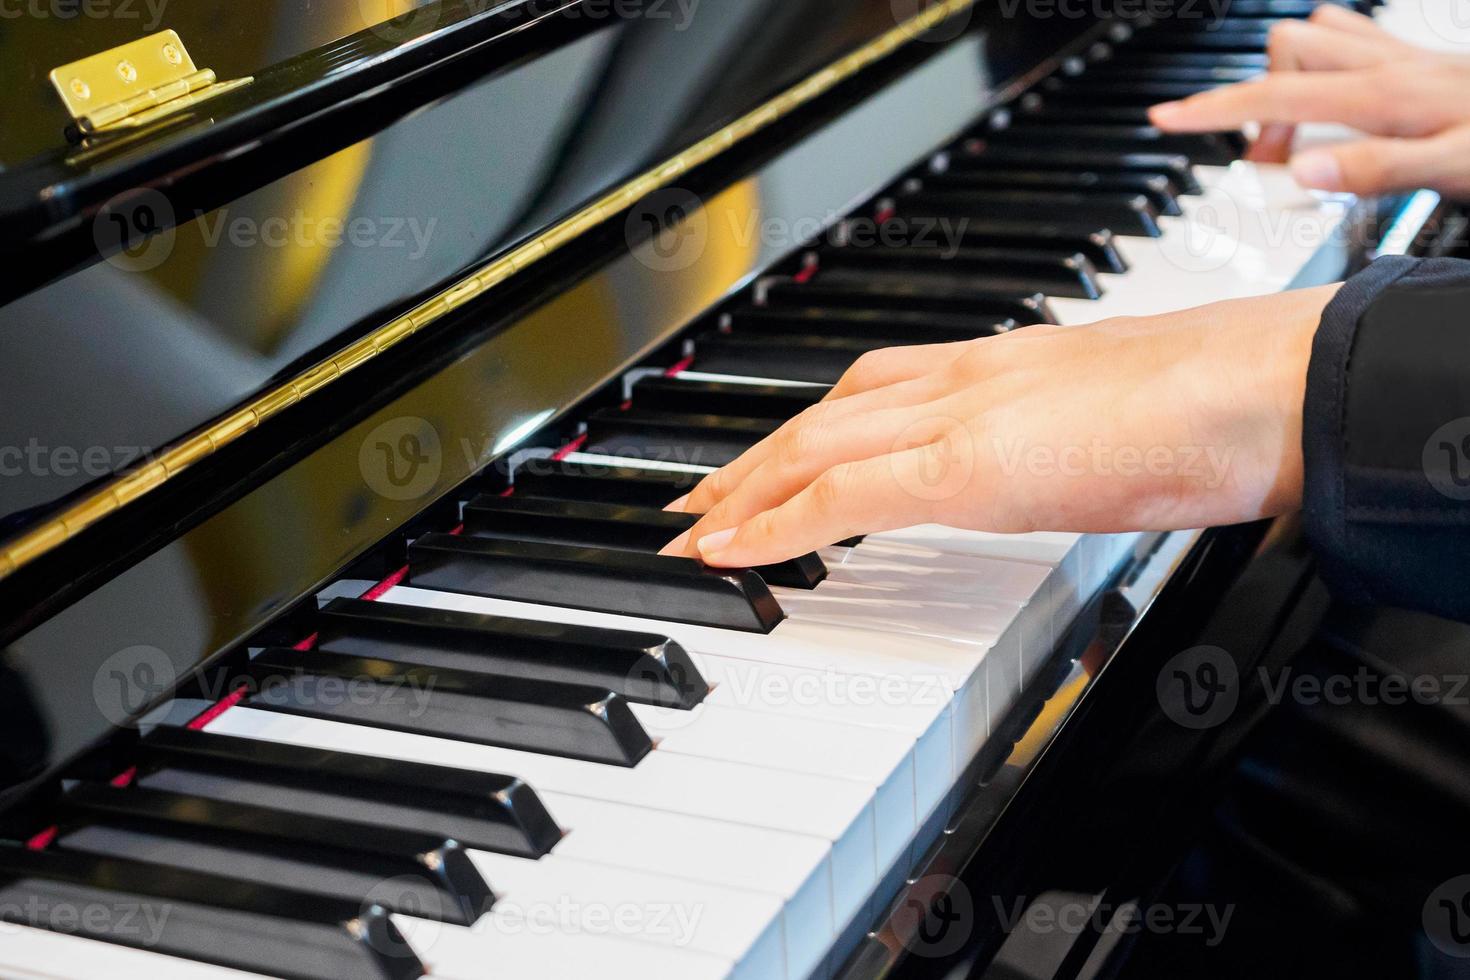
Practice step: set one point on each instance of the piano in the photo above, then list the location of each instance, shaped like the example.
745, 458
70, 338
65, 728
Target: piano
351, 353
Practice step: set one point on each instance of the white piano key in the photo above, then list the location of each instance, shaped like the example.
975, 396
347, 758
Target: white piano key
507, 947
743, 927
837, 810
40, 954
879, 758
1241, 237
920, 661
922, 712
794, 867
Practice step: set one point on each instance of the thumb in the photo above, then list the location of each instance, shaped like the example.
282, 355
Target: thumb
1375, 166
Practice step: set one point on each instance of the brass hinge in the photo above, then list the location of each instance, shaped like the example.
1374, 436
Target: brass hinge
135, 83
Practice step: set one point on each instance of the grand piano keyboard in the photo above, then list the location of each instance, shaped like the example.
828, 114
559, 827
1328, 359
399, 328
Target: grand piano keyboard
540, 749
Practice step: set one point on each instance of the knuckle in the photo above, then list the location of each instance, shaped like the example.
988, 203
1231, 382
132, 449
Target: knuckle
833, 488
869, 365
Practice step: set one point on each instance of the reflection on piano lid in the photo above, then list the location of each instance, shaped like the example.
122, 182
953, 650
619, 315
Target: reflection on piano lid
397, 684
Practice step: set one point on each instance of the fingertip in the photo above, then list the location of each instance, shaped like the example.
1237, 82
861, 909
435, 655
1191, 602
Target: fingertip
1166, 114
1317, 169
680, 504
711, 545
679, 547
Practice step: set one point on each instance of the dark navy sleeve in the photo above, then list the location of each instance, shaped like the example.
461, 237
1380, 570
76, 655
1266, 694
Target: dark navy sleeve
1386, 437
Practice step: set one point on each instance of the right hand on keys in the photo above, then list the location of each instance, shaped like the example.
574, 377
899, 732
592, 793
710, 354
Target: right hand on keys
1341, 67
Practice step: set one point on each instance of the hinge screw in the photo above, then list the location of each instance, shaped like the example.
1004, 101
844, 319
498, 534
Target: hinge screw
126, 71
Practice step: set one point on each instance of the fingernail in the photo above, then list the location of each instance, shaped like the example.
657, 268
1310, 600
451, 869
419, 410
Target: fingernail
1317, 168
678, 504
678, 546
713, 544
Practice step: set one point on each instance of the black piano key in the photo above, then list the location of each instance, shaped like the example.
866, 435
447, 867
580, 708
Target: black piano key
595, 481
674, 437
602, 525
1064, 112
757, 401
795, 357
433, 877
1159, 188
620, 582
212, 919
1210, 149
1272, 8
886, 327
1097, 244
643, 667
1225, 41
1209, 76
613, 484
1174, 167
485, 810
1000, 270
894, 292
572, 720
1123, 214
1230, 22
1130, 58
1092, 89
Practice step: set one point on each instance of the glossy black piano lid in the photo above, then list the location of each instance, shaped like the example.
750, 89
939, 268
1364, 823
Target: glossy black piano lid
119, 357
111, 362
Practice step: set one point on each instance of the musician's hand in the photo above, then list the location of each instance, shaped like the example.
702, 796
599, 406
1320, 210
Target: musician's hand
1183, 420
1340, 67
